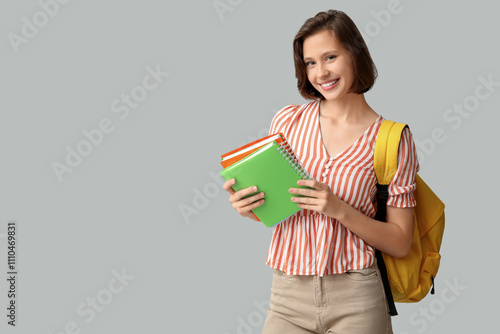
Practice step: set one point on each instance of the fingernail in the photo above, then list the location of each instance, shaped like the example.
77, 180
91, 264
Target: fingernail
254, 189
291, 190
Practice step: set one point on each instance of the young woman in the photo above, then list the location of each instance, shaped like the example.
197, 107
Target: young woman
326, 278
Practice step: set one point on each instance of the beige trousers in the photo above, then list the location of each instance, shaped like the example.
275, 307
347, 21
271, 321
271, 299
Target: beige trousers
349, 303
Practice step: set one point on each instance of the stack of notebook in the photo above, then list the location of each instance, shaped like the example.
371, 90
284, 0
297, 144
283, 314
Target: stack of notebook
270, 164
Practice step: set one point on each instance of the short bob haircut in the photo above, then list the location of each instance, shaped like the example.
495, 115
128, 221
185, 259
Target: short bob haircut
348, 35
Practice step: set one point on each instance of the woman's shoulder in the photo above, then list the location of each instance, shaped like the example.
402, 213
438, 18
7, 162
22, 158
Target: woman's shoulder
406, 129
289, 115
407, 142
295, 109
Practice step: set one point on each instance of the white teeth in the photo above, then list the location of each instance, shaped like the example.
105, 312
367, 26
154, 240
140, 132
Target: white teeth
330, 83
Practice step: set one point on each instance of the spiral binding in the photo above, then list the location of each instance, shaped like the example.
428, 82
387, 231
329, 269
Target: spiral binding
287, 152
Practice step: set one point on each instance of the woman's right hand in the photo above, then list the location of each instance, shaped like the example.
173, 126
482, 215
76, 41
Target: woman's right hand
244, 206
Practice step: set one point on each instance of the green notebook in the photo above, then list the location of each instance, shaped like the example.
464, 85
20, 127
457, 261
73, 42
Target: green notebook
274, 171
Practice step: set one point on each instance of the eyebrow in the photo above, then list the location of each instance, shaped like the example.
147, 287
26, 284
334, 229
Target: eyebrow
322, 55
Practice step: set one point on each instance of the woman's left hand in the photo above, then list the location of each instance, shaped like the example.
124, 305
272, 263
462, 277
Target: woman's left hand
320, 199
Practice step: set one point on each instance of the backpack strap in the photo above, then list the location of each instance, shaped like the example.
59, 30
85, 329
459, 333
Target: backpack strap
385, 160
385, 164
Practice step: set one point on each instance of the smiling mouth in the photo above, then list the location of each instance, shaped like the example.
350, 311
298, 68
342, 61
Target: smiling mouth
328, 84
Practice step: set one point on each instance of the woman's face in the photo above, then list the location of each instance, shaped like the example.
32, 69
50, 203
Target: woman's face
328, 65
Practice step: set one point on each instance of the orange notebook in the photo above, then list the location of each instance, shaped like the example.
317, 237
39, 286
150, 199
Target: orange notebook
236, 155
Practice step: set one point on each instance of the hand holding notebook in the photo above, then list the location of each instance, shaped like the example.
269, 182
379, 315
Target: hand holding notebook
270, 164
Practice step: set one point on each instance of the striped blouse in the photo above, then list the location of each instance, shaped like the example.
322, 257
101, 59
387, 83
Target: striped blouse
310, 243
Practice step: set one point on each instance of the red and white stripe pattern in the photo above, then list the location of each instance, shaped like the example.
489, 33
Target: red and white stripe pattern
310, 243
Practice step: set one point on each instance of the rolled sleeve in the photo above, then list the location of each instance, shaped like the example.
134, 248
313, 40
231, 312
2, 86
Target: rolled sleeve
403, 184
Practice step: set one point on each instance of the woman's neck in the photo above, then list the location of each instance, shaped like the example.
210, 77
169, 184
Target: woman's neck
351, 108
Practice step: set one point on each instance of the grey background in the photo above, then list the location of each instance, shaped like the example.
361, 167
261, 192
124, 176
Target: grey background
229, 72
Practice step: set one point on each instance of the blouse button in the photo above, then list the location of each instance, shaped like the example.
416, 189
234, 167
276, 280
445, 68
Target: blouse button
324, 174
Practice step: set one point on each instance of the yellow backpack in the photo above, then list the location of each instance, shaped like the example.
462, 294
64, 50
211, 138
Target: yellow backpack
407, 279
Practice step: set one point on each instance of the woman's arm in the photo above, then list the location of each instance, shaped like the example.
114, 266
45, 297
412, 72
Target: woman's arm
393, 237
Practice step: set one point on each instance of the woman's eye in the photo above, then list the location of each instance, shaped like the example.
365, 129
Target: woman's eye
331, 57
309, 63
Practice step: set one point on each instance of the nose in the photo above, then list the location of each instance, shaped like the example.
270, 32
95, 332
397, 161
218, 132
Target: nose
322, 71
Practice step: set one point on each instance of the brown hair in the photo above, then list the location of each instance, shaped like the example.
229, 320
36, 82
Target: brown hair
348, 35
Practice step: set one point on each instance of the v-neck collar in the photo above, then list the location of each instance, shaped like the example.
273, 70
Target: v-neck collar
348, 149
